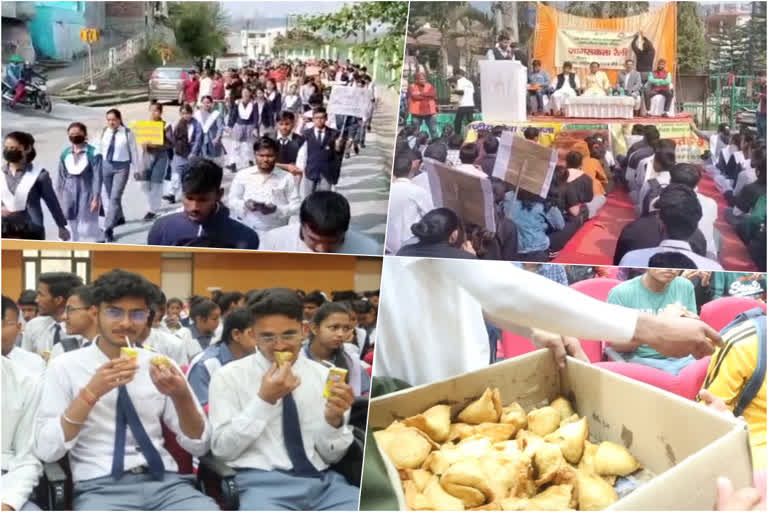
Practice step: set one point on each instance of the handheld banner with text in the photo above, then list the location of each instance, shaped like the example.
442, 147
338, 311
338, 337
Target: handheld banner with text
349, 101
470, 197
149, 132
525, 164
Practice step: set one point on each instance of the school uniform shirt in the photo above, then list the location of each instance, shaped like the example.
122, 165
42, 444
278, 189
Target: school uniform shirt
39, 333
276, 188
471, 170
357, 378
468, 98
31, 362
288, 239
58, 348
126, 151
248, 432
21, 396
23, 190
204, 366
194, 342
432, 315
167, 344
640, 257
408, 203
707, 221
91, 451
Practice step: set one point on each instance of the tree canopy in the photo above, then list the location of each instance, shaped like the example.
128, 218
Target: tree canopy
200, 28
692, 47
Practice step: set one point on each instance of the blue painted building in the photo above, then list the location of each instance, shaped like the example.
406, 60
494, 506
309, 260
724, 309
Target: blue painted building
55, 29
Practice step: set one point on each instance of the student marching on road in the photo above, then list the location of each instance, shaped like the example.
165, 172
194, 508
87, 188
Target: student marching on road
323, 156
212, 123
79, 185
243, 125
120, 159
157, 158
187, 144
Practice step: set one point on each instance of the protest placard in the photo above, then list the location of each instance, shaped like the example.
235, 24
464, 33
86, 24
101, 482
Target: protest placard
312, 70
470, 197
514, 152
349, 101
149, 132
502, 87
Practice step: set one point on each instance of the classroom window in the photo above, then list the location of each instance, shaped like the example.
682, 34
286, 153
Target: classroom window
36, 262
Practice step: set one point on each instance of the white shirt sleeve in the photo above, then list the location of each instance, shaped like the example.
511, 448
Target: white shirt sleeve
234, 427
291, 192
236, 197
489, 55
333, 443
23, 467
57, 394
512, 297
135, 155
197, 447
301, 158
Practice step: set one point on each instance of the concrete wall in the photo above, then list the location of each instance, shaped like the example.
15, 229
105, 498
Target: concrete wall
55, 29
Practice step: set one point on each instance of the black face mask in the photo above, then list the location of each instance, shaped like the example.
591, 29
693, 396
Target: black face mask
13, 156
77, 139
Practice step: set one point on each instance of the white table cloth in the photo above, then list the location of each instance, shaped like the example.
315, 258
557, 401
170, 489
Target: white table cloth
600, 107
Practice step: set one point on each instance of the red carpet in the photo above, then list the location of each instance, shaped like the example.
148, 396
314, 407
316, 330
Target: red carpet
595, 242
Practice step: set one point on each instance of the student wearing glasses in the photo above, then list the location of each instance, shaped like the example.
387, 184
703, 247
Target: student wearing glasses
81, 318
272, 424
105, 410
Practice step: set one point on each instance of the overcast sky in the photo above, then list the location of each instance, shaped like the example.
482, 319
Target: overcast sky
278, 9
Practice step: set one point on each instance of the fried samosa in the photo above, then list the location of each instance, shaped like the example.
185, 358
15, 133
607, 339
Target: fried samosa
543, 421
486, 409
435, 422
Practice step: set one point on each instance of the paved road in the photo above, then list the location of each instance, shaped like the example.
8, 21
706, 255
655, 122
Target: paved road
364, 178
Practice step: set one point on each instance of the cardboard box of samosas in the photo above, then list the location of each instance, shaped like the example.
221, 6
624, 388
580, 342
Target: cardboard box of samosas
523, 435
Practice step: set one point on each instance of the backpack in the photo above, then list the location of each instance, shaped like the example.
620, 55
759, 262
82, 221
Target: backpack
750, 390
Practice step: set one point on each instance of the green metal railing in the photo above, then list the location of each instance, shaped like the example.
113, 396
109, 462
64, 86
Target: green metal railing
730, 95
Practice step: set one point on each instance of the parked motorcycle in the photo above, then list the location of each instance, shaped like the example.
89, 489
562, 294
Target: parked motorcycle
35, 93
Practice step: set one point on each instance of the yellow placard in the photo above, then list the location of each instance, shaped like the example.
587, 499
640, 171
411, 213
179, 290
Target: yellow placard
89, 35
149, 132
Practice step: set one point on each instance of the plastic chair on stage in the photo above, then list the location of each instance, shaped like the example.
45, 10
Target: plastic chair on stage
686, 384
657, 105
719, 312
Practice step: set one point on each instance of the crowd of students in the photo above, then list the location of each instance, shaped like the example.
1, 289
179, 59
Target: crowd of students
69, 391
282, 145
671, 215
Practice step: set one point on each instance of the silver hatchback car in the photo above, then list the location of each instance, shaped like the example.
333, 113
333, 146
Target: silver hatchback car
167, 84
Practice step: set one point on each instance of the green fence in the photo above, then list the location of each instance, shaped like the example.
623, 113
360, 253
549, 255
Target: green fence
730, 95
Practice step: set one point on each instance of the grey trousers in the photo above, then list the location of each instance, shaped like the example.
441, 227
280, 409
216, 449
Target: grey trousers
115, 179
140, 492
279, 490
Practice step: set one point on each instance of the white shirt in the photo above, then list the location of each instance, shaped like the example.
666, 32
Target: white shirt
566, 89
472, 170
91, 451
707, 222
286, 239
408, 203
30, 361
206, 88
468, 98
640, 257
422, 181
276, 188
248, 432
745, 177
21, 397
165, 343
431, 324
38, 334
125, 147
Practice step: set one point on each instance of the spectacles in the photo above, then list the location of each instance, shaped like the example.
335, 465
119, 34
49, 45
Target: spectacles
137, 316
71, 309
286, 336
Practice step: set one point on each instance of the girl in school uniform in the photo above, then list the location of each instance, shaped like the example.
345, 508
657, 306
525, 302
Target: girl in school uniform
292, 103
22, 185
157, 158
120, 159
212, 123
243, 125
274, 98
79, 185
187, 143
264, 117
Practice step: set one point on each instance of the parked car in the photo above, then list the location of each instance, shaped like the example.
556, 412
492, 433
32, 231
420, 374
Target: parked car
167, 84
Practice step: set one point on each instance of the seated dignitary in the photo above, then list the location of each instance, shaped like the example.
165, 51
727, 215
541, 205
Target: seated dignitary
21, 395
33, 363
271, 422
106, 406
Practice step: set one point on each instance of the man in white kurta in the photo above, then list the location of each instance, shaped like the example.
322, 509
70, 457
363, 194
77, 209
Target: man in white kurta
408, 203
565, 85
432, 318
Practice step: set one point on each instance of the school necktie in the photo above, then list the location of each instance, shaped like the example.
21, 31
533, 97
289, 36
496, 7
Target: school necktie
294, 443
284, 141
56, 333
128, 417
111, 148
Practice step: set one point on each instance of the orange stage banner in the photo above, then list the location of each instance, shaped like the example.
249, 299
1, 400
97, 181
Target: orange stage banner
556, 29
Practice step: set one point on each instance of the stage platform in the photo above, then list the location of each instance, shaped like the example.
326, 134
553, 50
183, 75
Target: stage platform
683, 117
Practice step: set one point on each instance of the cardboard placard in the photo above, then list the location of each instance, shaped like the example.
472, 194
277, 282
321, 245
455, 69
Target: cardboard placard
312, 70
349, 101
470, 197
514, 151
503, 91
149, 132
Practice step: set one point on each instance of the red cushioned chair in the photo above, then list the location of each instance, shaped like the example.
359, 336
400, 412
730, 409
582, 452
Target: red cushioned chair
597, 288
686, 384
719, 312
